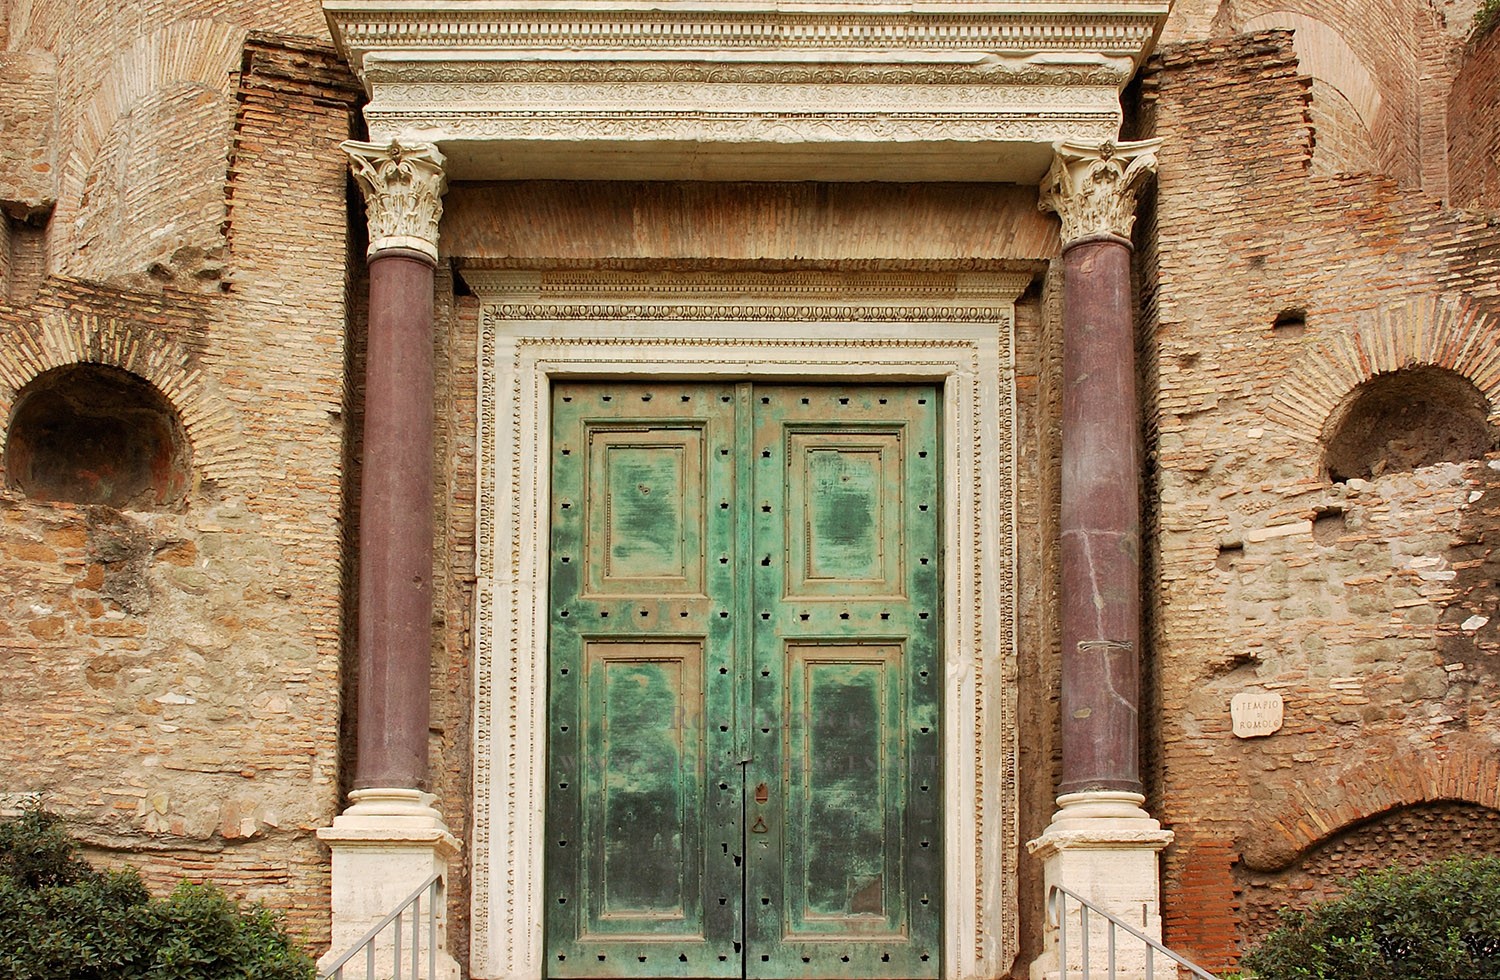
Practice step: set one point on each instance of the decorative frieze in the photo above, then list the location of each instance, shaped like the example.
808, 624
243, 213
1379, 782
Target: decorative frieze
1093, 188
363, 26
933, 91
403, 187
810, 297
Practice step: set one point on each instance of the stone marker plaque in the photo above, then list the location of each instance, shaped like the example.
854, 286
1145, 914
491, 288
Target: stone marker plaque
1255, 713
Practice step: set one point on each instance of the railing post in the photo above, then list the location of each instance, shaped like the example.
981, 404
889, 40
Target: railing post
396, 958
1083, 929
1061, 905
432, 932
390, 932
416, 939
1136, 968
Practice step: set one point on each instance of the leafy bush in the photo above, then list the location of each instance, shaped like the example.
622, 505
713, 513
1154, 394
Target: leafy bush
1485, 19
1438, 922
61, 919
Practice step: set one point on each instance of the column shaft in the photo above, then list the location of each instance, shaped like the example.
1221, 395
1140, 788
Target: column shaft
395, 527
1100, 522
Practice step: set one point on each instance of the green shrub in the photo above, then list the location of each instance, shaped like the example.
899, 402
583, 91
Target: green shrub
61, 919
1439, 922
1485, 19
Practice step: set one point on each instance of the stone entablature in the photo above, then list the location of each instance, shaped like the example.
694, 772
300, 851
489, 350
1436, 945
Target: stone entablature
816, 90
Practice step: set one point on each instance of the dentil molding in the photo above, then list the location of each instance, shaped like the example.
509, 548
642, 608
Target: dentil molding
921, 90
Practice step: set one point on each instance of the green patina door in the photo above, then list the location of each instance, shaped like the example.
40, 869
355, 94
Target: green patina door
744, 674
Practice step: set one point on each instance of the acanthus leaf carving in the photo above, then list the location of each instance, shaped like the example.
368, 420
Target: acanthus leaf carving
403, 187
1093, 188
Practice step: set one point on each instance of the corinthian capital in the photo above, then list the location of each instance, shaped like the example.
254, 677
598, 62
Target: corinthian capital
403, 188
1093, 188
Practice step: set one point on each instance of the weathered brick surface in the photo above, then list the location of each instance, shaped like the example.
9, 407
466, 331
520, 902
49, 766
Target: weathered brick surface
172, 678
1038, 578
1344, 598
142, 107
1381, 40
457, 353
1474, 128
28, 84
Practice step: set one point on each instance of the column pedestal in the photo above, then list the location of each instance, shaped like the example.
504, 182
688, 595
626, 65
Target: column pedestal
1103, 847
384, 845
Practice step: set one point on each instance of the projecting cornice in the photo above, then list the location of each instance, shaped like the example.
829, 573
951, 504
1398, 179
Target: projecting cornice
744, 90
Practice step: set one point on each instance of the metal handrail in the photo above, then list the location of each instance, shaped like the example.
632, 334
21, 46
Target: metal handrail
1057, 907
366, 944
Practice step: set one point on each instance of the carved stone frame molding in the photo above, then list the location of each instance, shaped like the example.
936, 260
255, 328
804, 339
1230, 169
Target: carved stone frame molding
955, 329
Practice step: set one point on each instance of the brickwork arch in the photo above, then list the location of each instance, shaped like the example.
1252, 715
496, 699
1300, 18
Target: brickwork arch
1324, 54
1318, 809
55, 340
1353, 130
201, 55
1446, 332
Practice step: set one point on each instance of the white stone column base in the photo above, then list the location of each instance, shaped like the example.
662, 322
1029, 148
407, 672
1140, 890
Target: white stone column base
1104, 847
384, 846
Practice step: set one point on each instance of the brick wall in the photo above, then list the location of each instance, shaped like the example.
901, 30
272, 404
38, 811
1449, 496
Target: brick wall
172, 677
1347, 599
1341, 141
1382, 40
1408, 837
28, 85
138, 99
1474, 128
1038, 459
457, 358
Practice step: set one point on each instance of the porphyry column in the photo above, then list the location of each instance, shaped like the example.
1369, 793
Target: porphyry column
402, 188
391, 839
1100, 844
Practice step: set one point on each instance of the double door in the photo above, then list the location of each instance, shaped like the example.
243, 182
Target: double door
743, 678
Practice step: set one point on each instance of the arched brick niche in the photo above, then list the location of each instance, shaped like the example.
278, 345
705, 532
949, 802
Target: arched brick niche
1341, 139
1379, 782
1444, 348
1404, 419
94, 434
30, 348
1383, 808
1349, 103
1408, 836
159, 117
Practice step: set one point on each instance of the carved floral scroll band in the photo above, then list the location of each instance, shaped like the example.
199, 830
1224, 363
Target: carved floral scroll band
1093, 188
403, 188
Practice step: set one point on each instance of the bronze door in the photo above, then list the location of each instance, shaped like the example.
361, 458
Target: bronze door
743, 681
